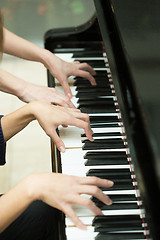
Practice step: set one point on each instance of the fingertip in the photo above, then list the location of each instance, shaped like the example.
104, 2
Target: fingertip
61, 149
111, 183
94, 83
109, 202
69, 95
82, 226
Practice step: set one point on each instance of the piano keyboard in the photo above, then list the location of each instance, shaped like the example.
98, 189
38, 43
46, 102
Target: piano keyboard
107, 157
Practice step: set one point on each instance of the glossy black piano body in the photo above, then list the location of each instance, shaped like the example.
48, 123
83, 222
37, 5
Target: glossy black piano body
128, 30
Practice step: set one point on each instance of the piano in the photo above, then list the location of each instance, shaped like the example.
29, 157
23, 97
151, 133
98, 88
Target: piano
120, 41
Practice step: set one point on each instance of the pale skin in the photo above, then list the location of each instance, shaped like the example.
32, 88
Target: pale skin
57, 190
27, 92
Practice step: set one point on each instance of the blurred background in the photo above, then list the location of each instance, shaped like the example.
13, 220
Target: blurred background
29, 151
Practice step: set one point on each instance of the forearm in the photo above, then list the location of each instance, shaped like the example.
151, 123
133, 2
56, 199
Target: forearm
19, 47
16, 121
14, 202
11, 84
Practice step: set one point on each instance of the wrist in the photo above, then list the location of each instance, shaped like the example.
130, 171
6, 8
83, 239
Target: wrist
47, 58
31, 188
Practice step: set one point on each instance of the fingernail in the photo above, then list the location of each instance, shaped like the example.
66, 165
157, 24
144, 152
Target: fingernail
109, 202
92, 139
62, 149
82, 227
69, 95
110, 182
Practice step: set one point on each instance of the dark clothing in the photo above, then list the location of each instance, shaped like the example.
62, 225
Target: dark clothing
2, 146
37, 222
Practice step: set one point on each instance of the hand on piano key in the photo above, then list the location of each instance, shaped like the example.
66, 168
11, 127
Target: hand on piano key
64, 192
61, 70
50, 117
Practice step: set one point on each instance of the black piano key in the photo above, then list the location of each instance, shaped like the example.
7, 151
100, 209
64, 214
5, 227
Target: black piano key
113, 125
116, 198
105, 155
116, 219
120, 236
91, 95
88, 53
102, 73
103, 141
120, 186
113, 228
103, 144
97, 162
100, 109
93, 63
108, 134
100, 81
92, 88
105, 119
104, 125
121, 175
96, 101
119, 206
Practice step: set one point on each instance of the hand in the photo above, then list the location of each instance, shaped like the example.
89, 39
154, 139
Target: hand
32, 92
61, 70
50, 117
64, 191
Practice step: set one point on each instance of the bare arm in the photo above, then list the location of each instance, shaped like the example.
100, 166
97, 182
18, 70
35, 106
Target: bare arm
49, 117
29, 92
60, 69
57, 190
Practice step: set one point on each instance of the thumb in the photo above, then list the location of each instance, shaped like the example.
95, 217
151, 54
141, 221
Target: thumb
66, 88
59, 143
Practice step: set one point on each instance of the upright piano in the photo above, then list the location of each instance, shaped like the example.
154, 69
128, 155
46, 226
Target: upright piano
121, 42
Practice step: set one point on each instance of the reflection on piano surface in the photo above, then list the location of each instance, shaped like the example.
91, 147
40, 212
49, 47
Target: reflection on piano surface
121, 150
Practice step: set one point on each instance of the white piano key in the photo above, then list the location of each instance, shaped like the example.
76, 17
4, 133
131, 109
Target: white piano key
89, 58
100, 69
108, 130
81, 170
105, 137
65, 56
74, 233
71, 136
78, 154
81, 212
104, 114
87, 220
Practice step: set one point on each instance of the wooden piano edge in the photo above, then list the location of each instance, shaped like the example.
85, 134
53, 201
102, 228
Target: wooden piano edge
56, 167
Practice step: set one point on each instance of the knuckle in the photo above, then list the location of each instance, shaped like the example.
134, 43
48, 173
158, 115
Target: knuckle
67, 100
95, 190
95, 180
61, 102
87, 202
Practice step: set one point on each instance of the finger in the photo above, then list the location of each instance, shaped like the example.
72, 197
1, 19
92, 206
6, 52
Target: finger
59, 143
81, 124
83, 117
96, 192
72, 215
89, 204
86, 66
89, 132
66, 88
71, 110
86, 75
96, 181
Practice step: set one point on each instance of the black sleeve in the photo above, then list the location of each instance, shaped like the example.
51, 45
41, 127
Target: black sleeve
2, 146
